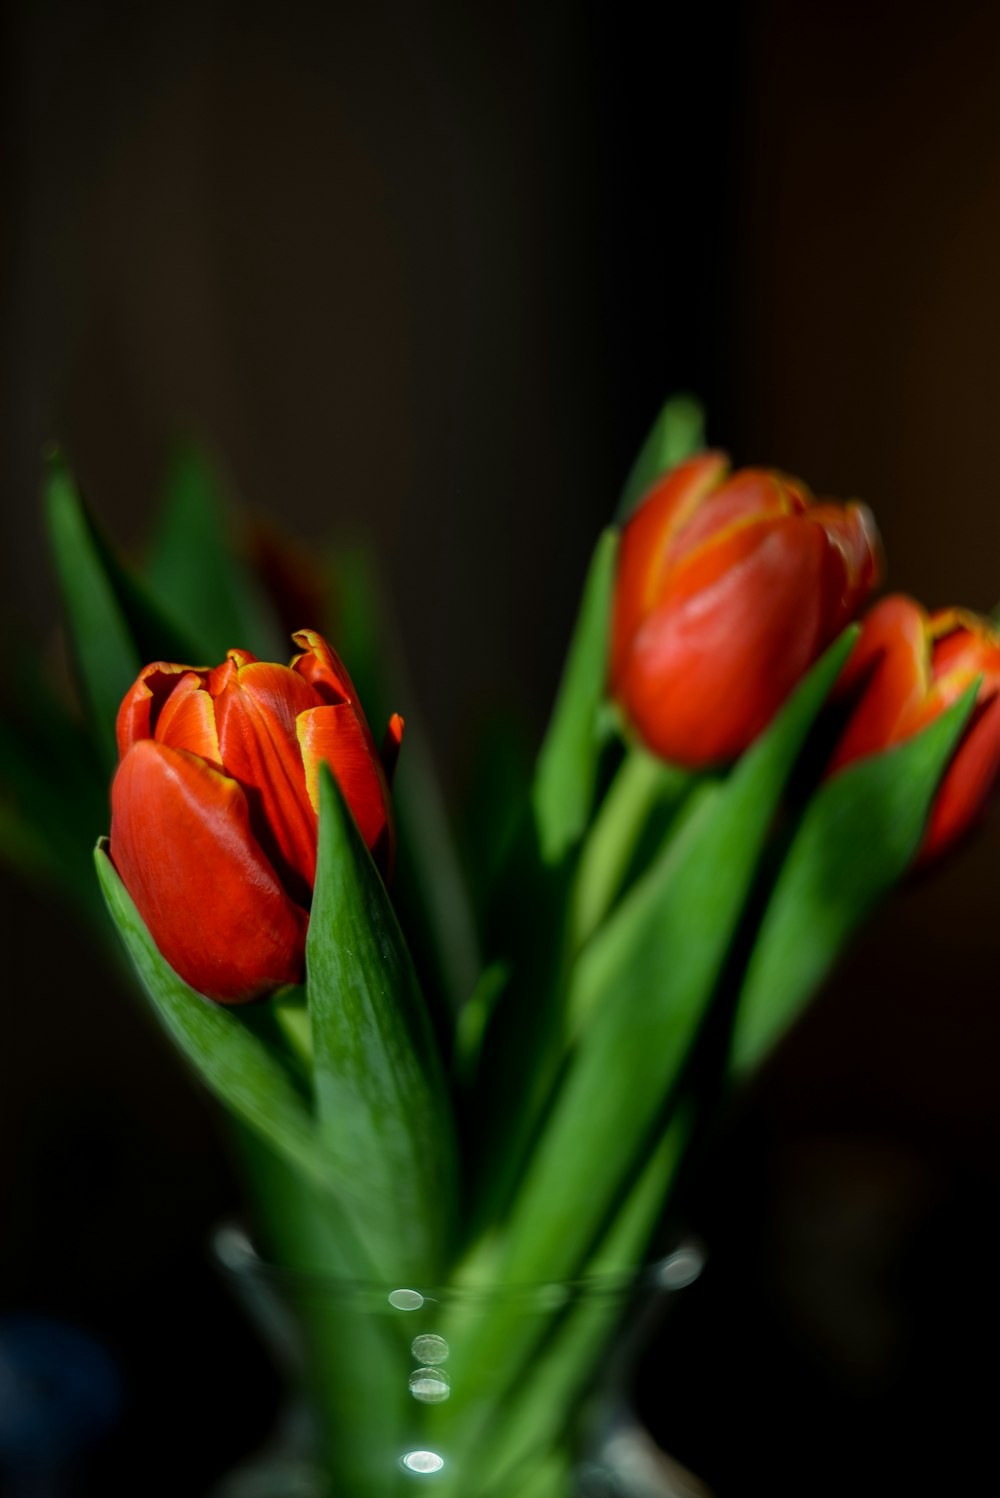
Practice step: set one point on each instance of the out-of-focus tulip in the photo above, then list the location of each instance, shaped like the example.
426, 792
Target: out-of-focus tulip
906, 669
214, 808
727, 591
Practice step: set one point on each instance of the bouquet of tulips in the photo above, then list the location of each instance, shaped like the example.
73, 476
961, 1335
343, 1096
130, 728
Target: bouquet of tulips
492, 1078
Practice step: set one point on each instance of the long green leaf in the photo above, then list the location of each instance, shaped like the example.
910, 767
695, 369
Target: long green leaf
383, 1106
677, 433
195, 570
566, 776
114, 624
102, 644
431, 892
859, 835
567, 765
233, 1063
645, 983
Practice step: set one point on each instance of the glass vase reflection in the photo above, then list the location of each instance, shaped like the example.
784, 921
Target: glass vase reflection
505, 1392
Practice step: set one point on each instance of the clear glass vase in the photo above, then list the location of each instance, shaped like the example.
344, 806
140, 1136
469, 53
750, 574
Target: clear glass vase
506, 1392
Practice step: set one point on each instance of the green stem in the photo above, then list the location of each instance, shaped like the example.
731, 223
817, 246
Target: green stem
539, 1368
644, 787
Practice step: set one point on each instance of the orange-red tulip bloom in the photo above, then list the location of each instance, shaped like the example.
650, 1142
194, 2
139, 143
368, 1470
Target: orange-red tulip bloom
906, 669
214, 808
728, 589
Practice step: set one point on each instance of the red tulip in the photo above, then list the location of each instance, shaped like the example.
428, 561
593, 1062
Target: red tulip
907, 667
214, 808
728, 589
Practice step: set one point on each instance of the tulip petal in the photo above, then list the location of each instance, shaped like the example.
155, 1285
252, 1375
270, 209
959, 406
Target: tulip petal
889, 671
738, 627
965, 790
852, 529
256, 711
727, 590
326, 673
748, 497
644, 543
322, 668
964, 647
187, 720
392, 741
143, 702
334, 736
182, 843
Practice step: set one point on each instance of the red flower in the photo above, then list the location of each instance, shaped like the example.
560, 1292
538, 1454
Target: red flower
214, 808
906, 669
728, 589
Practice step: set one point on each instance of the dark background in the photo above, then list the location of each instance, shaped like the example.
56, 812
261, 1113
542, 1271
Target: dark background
425, 272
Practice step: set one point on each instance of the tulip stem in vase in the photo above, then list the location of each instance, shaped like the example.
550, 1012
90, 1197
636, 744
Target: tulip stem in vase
644, 796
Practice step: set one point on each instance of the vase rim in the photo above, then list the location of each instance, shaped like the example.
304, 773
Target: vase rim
233, 1249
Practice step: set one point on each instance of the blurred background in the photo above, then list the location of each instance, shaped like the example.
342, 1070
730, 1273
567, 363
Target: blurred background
424, 273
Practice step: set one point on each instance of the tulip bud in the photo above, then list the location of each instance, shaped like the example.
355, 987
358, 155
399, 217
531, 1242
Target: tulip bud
906, 669
728, 589
214, 808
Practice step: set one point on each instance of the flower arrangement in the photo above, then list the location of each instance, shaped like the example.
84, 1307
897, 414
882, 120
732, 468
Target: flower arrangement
735, 773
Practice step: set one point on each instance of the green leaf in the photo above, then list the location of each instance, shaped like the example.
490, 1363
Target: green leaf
549, 1368
430, 887
383, 1105
858, 837
328, 1329
114, 625
643, 986
677, 433
566, 775
535, 1362
194, 568
473, 1019
296, 1222
362, 627
103, 647
233, 1063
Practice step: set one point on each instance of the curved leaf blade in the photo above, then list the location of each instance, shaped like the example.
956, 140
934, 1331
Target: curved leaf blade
234, 1064
433, 898
383, 1106
193, 565
103, 647
114, 624
859, 835
676, 434
642, 988
563, 792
